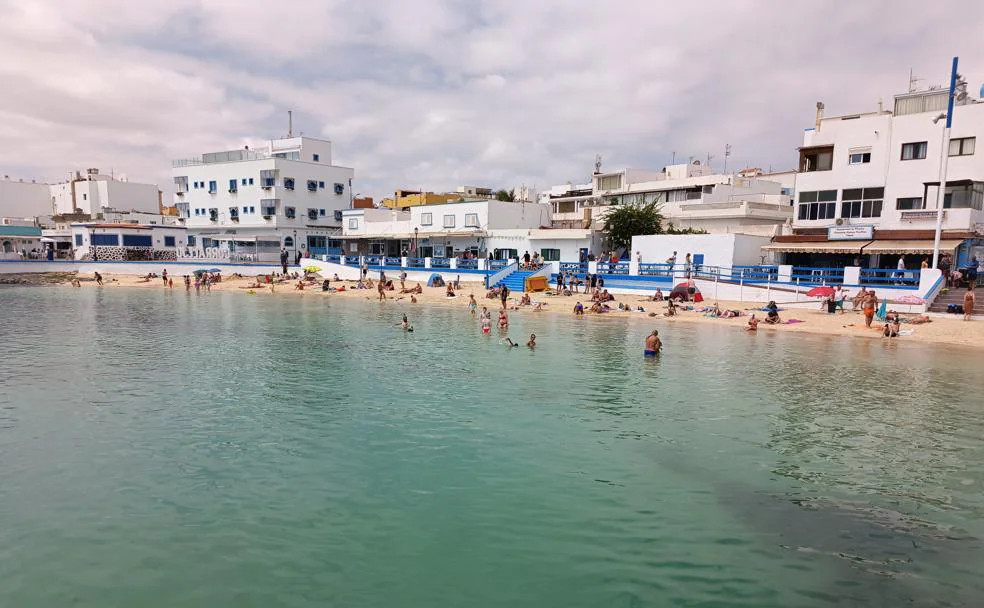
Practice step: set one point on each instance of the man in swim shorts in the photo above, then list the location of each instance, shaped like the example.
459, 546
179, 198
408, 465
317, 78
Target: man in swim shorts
869, 304
653, 344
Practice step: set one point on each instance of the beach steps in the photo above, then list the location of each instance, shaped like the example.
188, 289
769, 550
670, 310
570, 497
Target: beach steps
516, 280
954, 296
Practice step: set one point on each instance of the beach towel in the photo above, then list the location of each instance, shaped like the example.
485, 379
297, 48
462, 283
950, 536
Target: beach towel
906, 332
791, 321
882, 311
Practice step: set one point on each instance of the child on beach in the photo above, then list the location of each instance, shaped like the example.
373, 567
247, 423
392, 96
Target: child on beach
579, 310
472, 304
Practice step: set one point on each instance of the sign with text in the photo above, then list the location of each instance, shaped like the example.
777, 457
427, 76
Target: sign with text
850, 233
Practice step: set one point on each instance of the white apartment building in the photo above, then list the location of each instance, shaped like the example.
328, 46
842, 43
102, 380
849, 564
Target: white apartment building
440, 231
690, 196
91, 194
868, 184
255, 202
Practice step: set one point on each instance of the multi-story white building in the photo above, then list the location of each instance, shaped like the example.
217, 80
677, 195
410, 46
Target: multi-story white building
91, 194
689, 195
490, 228
255, 202
868, 184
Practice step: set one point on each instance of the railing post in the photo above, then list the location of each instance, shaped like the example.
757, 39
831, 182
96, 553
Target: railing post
797, 289
741, 288
427, 262
717, 278
768, 288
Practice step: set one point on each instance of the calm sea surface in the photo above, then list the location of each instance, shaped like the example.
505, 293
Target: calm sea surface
168, 449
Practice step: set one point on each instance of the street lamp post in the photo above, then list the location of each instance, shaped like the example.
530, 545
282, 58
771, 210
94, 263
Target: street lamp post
944, 155
295, 246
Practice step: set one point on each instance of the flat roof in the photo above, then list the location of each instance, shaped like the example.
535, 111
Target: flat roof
134, 226
6, 230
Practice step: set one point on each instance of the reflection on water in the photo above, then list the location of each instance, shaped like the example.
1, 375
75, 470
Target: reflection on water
165, 448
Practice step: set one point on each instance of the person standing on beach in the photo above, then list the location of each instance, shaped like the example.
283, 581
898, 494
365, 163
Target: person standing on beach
99, 279
968, 303
504, 295
403, 278
381, 287
283, 259
653, 344
164, 276
869, 304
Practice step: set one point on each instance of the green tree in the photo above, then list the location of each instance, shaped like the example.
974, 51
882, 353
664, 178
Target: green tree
506, 195
626, 221
671, 229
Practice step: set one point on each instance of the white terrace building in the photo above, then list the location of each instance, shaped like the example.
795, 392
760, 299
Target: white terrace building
250, 203
498, 229
868, 184
689, 195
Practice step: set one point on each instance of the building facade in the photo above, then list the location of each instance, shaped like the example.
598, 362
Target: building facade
256, 202
689, 196
868, 185
92, 194
124, 242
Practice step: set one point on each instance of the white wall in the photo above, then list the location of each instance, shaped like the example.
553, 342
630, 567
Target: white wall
24, 199
718, 249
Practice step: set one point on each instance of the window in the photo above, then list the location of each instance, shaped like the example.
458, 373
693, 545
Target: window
321, 185
817, 159
105, 240
818, 205
288, 241
169, 241
290, 212
85, 197
964, 196
78, 240
426, 219
252, 209
312, 214
137, 240
550, 255
289, 183
471, 220
859, 158
321, 212
251, 181
910, 202
213, 187
862, 202
269, 182
963, 146
610, 182
353, 223
449, 221
914, 151
213, 214
232, 185
316, 157
339, 188
312, 185
191, 240
244, 181
353, 248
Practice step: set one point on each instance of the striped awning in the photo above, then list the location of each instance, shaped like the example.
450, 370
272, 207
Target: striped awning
910, 246
817, 247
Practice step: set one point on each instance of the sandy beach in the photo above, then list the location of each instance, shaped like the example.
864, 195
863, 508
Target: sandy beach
943, 330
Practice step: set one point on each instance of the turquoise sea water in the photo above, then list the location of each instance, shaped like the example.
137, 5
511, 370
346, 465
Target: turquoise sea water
168, 449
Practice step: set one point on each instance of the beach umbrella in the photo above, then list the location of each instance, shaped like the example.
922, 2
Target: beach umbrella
911, 300
820, 292
214, 270
312, 269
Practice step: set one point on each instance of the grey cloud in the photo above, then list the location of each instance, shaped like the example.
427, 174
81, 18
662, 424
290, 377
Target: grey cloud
439, 93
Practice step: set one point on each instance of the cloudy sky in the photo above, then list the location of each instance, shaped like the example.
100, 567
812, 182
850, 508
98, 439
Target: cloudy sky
441, 93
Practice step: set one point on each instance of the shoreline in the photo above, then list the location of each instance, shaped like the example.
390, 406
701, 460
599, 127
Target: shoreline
941, 331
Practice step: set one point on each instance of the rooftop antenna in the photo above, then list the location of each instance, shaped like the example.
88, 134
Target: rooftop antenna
597, 163
709, 158
290, 123
912, 81
727, 153
673, 162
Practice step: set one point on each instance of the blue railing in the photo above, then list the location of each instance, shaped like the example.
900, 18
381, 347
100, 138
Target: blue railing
610, 268
313, 251
882, 277
755, 274
805, 275
351, 260
655, 270
440, 263
575, 267
415, 262
373, 260
333, 258
396, 262
468, 264
498, 264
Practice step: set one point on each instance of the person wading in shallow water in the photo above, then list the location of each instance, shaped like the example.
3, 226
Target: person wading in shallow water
653, 344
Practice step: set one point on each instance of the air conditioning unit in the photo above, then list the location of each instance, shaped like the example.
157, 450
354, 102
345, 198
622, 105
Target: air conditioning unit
267, 217
840, 221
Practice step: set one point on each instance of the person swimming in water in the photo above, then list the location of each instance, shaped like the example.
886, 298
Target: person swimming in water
653, 344
510, 343
405, 325
532, 342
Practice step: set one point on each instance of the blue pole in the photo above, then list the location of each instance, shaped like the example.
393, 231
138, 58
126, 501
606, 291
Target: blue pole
944, 155
953, 86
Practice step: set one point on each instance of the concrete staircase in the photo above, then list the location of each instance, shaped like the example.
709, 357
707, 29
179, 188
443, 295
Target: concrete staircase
516, 280
954, 296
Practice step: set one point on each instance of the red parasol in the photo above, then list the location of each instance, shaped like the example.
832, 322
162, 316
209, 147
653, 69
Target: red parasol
820, 292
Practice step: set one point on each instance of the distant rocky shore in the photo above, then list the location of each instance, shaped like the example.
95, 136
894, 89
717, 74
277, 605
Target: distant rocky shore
37, 278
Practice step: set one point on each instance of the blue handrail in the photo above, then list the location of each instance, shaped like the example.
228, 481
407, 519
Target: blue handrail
415, 262
468, 264
440, 263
